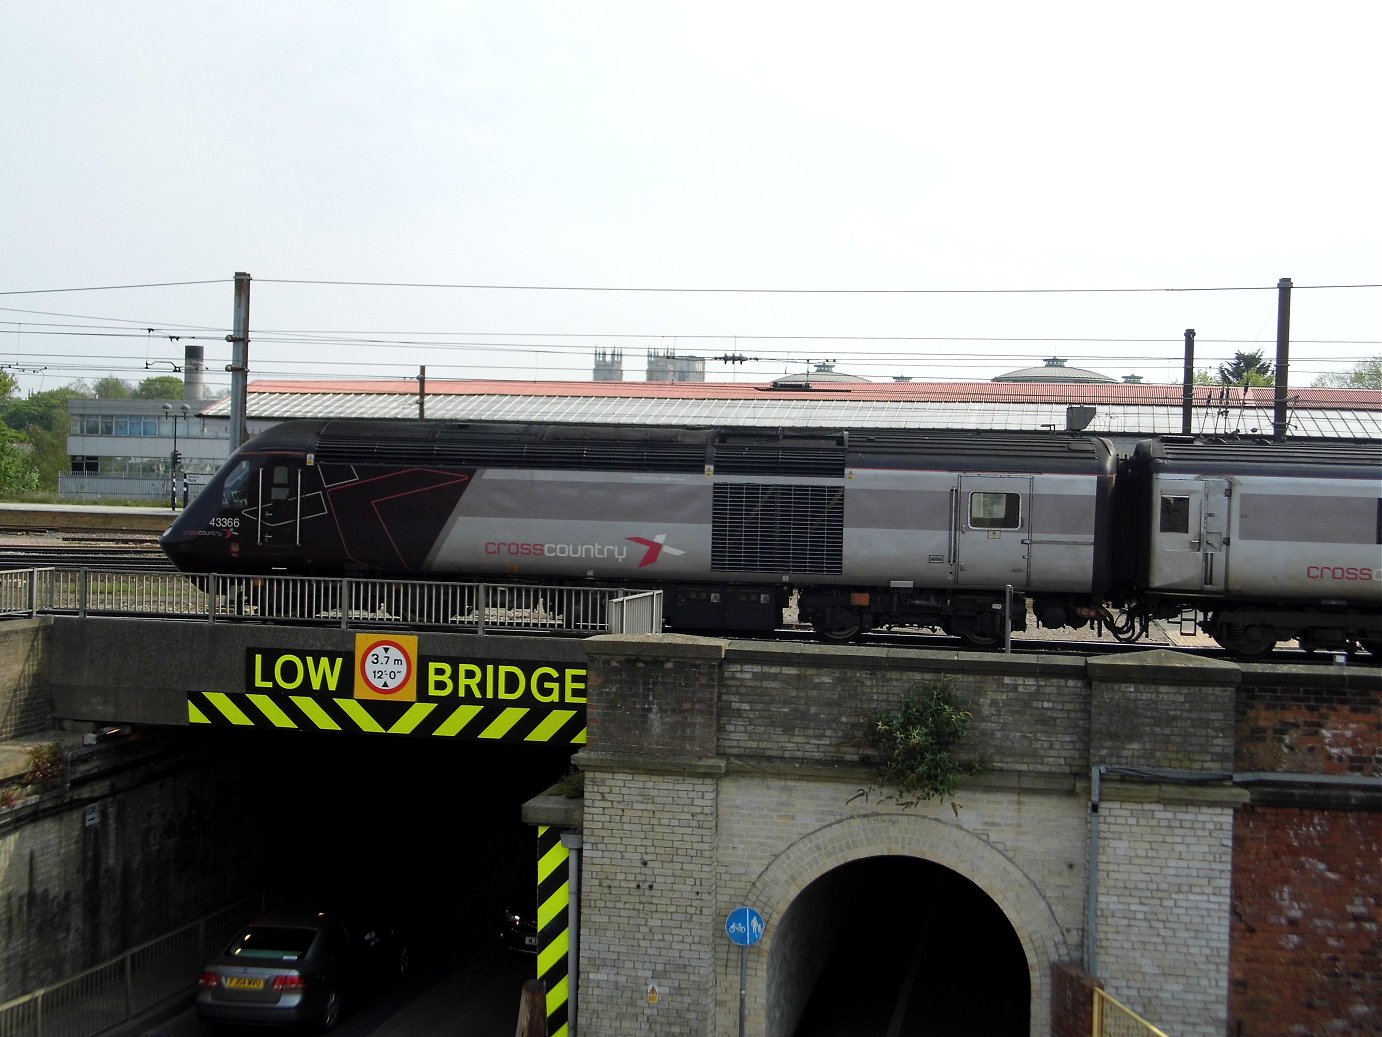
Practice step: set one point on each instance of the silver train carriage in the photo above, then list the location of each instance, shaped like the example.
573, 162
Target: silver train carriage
1269, 541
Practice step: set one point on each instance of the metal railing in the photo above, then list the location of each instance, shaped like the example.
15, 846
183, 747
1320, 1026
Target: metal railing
345, 602
1115, 1019
120, 989
636, 614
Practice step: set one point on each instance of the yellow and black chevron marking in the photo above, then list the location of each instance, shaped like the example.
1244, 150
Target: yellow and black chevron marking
418, 719
553, 927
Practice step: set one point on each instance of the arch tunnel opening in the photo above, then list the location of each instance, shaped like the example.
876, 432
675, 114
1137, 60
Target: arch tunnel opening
896, 946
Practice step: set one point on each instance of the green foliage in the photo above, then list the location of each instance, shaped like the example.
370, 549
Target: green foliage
47, 765
18, 474
8, 384
915, 744
1367, 375
42, 419
159, 387
112, 388
1247, 369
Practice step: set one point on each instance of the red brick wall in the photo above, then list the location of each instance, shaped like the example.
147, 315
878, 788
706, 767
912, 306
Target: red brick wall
1306, 937
1309, 730
1306, 942
1072, 1001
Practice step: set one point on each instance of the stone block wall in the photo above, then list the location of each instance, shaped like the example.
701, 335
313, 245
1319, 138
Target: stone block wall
24, 701
1165, 876
87, 873
649, 901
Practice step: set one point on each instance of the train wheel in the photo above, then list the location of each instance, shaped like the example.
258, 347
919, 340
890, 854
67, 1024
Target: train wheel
840, 627
1246, 642
980, 639
980, 635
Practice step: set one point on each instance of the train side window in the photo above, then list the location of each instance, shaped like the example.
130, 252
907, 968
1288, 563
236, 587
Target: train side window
995, 510
279, 489
236, 491
1175, 514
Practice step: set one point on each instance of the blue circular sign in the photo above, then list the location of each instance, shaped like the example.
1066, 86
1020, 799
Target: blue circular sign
744, 926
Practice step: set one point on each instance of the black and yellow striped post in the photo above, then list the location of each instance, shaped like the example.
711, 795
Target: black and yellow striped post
554, 936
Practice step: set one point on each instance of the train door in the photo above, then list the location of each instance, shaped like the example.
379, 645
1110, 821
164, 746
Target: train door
1190, 536
992, 531
280, 504
1215, 533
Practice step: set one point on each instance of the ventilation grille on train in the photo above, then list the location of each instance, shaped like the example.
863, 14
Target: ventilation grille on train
819, 457
779, 529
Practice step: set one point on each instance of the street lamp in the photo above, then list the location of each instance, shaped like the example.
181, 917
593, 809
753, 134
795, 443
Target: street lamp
183, 411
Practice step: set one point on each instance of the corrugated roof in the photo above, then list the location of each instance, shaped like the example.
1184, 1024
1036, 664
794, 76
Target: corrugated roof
1120, 407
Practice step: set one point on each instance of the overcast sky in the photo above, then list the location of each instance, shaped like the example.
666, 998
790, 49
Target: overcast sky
901, 188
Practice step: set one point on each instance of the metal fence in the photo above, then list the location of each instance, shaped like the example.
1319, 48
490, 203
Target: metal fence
116, 991
1114, 1019
347, 603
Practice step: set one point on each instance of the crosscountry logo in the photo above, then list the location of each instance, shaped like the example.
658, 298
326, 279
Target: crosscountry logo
656, 547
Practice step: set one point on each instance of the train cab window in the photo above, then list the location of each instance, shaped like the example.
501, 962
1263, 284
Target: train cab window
278, 488
236, 491
995, 510
1175, 514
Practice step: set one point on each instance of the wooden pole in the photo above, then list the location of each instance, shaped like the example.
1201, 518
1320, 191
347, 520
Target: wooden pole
532, 1010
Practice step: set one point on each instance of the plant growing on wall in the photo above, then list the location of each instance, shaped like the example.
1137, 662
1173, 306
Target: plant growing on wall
47, 764
914, 745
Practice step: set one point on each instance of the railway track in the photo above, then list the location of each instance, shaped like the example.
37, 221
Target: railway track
139, 557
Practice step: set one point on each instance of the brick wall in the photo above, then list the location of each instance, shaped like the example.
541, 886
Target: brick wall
103, 867
24, 701
1308, 725
649, 902
1165, 876
1072, 1001
1307, 898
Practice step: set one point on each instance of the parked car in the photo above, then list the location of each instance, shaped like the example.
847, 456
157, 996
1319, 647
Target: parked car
518, 931
298, 966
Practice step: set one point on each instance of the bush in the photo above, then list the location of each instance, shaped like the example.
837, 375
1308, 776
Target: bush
915, 744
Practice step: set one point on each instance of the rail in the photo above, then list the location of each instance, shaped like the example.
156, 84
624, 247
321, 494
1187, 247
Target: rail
345, 602
122, 988
1112, 1018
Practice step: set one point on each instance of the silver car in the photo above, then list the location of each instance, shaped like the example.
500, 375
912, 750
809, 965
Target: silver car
297, 966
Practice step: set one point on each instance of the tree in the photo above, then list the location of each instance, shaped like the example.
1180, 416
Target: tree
112, 388
1367, 375
42, 419
18, 475
8, 383
160, 387
1247, 369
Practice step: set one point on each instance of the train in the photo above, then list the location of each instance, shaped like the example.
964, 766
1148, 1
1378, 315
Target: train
855, 529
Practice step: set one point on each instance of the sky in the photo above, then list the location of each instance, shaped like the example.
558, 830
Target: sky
498, 190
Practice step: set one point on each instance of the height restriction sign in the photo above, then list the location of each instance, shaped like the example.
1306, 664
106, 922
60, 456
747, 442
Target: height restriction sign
386, 667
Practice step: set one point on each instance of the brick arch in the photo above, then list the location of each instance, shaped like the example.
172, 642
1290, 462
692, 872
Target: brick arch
906, 835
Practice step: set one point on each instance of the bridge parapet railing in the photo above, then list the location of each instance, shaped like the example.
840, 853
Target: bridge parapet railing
349, 602
636, 614
117, 990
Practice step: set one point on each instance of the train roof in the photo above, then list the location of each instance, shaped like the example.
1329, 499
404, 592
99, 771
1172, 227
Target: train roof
1342, 458
731, 450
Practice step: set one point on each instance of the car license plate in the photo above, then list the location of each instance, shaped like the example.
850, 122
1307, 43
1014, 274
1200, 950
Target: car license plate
244, 983
530, 941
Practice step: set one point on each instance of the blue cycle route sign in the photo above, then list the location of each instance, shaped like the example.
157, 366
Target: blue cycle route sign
744, 926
